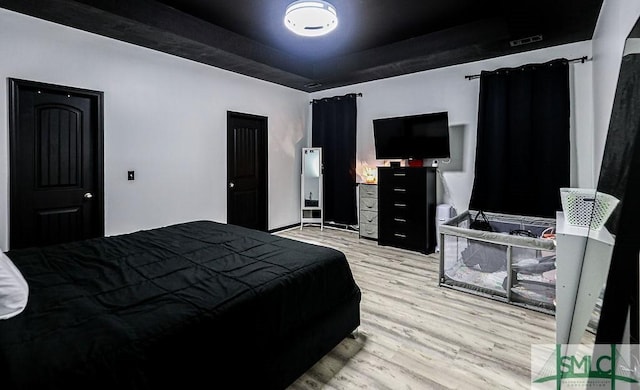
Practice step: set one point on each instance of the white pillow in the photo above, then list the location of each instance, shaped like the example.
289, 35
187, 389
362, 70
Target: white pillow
14, 290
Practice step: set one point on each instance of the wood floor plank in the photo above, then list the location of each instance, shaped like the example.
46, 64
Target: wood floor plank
415, 334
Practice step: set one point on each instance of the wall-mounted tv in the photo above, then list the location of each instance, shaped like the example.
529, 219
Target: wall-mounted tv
412, 137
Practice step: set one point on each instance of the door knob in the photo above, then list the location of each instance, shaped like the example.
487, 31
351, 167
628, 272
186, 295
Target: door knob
88, 195
231, 185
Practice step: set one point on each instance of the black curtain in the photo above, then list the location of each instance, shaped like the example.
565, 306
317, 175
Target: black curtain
522, 152
334, 130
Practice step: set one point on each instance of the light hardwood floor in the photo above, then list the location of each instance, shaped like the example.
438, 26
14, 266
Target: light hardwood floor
417, 335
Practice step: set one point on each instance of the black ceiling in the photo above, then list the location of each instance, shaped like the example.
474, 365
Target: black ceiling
635, 31
375, 38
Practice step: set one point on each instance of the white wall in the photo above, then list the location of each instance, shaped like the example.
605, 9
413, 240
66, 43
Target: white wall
447, 89
617, 18
165, 118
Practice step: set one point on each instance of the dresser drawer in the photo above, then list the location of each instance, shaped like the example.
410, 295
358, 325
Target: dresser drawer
369, 230
369, 204
397, 220
368, 191
398, 177
403, 180
406, 241
407, 231
370, 217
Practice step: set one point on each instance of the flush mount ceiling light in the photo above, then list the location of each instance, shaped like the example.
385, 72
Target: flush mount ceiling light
311, 18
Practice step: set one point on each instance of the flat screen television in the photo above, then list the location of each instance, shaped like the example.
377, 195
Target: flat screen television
412, 137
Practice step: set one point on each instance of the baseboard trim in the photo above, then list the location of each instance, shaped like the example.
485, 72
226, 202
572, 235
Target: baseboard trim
279, 229
327, 225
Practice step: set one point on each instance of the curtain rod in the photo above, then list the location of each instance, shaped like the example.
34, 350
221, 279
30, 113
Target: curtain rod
359, 94
582, 60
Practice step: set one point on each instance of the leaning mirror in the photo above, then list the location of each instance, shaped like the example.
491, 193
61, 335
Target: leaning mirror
598, 278
620, 177
311, 187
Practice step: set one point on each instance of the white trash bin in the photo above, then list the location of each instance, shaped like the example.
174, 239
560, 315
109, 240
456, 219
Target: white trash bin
444, 212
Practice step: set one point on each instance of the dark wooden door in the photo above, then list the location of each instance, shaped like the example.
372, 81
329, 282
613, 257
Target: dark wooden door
56, 164
247, 170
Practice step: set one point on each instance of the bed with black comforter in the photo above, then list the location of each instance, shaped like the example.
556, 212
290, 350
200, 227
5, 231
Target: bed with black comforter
193, 305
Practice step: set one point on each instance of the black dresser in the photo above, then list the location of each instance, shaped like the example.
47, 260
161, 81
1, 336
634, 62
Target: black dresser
407, 207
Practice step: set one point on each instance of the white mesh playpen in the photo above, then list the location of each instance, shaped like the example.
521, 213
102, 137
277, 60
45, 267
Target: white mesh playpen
515, 262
